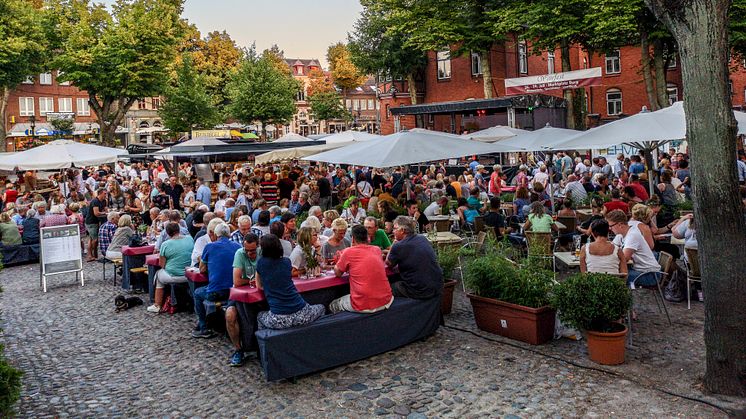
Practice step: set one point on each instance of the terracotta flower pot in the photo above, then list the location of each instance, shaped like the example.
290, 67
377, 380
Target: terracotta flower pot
607, 348
530, 325
446, 300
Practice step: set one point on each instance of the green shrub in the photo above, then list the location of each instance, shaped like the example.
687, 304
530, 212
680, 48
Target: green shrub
496, 277
10, 384
507, 197
448, 259
592, 301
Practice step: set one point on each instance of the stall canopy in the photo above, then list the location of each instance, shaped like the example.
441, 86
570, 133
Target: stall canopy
60, 154
347, 136
496, 133
537, 140
291, 137
297, 153
403, 148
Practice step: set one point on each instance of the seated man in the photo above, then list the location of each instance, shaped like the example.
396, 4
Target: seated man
437, 207
244, 226
420, 275
173, 258
217, 262
244, 272
494, 218
369, 287
30, 228
413, 211
209, 237
376, 236
106, 232
633, 244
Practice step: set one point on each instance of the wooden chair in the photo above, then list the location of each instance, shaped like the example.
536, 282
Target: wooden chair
540, 245
479, 224
570, 224
692, 273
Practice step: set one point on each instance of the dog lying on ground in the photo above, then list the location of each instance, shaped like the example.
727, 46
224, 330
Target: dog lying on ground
125, 303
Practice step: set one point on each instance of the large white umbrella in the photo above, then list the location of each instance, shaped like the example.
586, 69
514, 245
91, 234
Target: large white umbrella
291, 137
537, 140
496, 133
403, 148
61, 154
347, 136
296, 152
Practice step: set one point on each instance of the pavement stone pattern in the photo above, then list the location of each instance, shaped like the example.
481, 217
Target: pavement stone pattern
81, 359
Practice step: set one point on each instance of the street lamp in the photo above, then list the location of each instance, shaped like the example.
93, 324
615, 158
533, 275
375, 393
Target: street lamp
32, 120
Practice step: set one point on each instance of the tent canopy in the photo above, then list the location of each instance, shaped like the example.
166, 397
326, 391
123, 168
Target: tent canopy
403, 148
496, 133
347, 136
537, 140
290, 137
60, 154
296, 152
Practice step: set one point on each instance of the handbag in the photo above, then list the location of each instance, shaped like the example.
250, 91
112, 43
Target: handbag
168, 307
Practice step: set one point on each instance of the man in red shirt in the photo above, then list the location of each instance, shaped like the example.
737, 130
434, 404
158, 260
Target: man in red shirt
370, 290
640, 190
616, 203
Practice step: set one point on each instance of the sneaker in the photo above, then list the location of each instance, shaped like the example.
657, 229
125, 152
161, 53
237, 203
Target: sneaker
204, 334
237, 359
154, 309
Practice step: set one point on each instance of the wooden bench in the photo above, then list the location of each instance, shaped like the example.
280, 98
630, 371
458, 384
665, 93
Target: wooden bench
117, 262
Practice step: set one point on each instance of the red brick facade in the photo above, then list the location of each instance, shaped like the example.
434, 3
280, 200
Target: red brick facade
55, 91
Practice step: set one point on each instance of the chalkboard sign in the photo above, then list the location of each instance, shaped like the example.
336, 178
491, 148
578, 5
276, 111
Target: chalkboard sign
60, 251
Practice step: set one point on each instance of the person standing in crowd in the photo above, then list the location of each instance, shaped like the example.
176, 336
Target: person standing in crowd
97, 210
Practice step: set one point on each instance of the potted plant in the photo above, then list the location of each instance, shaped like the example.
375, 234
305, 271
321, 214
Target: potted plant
510, 299
594, 303
448, 259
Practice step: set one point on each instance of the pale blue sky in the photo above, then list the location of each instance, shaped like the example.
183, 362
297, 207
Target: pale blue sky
301, 28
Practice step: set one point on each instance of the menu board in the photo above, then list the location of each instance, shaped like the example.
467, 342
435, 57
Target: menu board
60, 249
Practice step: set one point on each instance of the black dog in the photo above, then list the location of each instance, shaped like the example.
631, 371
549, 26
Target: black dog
126, 303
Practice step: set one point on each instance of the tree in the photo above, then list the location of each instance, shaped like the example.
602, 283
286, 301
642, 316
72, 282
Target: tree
214, 57
319, 82
187, 105
344, 73
700, 28
328, 105
22, 49
116, 57
259, 91
277, 56
377, 47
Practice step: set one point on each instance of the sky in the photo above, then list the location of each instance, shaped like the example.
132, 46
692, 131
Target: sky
301, 28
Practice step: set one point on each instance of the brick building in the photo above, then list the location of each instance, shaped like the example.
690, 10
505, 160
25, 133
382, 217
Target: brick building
303, 122
362, 102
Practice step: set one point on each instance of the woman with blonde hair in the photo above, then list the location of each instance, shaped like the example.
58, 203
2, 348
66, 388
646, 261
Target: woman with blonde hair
642, 217
121, 237
308, 247
329, 217
337, 242
9, 234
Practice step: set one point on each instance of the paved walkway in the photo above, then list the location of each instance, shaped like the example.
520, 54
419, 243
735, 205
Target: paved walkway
81, 359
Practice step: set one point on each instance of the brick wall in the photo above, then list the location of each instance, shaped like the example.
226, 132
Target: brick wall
37, 90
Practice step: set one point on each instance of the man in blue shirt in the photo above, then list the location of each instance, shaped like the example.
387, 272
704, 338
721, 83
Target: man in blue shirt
217, 263
203, 193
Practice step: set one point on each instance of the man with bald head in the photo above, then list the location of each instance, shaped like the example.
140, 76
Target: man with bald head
574, 189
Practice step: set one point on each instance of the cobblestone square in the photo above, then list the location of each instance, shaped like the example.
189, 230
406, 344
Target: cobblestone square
82, 359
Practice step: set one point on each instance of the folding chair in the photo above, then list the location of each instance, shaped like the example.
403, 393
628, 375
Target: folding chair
665, 261
692, 273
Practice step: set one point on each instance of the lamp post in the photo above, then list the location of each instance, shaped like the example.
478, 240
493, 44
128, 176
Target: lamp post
32, 121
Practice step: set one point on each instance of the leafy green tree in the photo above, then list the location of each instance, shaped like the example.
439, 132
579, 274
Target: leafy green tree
259, 91
377, 47
118, 56
22, 48
277, 57
187, 105
328, 105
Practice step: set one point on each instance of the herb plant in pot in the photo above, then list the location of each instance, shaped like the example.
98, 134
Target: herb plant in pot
448, 259
594, 303
511, 300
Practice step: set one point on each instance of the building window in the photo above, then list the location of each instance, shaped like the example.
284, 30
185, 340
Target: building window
62, 83
26, 105
82, 106
371, 104
673, 93
156, 103
348, 104
300, 96
476, 64
299, 70
613, 102
363, 105
141, 104
45, 78
46, 104
550, 63
730, 87
28, 80
613, 63
522, 58
65, 104
671, 60
444, 64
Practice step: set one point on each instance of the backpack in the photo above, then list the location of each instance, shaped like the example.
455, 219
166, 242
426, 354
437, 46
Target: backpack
675, 290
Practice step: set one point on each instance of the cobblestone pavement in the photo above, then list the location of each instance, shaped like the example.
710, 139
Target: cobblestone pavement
81, 359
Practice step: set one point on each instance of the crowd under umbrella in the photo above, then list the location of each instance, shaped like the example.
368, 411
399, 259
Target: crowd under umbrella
496, 133
645, 131
61, 154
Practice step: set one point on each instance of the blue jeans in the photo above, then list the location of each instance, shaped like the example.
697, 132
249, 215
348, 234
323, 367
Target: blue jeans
200, 296
648, 279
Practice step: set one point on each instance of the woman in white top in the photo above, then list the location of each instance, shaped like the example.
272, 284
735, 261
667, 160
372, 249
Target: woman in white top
354, 214
602, 256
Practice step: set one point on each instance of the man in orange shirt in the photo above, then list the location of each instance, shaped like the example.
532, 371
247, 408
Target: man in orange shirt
369, 287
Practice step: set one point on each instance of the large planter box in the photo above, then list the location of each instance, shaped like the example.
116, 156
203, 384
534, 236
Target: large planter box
446, 301
530, 325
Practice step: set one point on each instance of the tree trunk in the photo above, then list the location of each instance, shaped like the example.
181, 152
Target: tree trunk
700, 28
579, 107
661, 86
110, 113
4, 95
264, 131
412, 88
647, 73
568, 93
489, 87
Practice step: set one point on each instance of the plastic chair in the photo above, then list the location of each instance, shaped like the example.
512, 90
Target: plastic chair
692, 273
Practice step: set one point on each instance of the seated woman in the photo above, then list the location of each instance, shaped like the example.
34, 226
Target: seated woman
9, 235
121, 237
31, 228
387, 216
538, 221
520, 202
597, 206
354, 215
337, 242
601, 255
329, 217
684, 229
278, 229
567, 209
466, 213
308, 247
273, 275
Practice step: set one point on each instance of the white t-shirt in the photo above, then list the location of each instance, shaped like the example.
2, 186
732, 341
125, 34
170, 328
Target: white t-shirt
642, 258
431, 210
144, 175
92, 184
297, 259
541, 177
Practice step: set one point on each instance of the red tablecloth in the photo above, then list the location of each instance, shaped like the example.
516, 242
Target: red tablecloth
138, 251
195, 276
152, 260
247, 294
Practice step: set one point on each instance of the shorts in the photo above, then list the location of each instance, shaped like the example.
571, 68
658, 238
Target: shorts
92, 230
